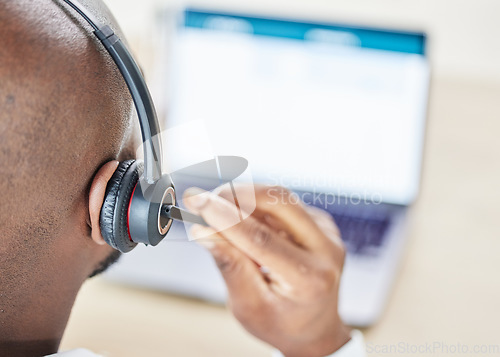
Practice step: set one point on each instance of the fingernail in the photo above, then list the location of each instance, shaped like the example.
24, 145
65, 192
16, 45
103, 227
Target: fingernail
207, 243
197, 231
196, 197
200, 235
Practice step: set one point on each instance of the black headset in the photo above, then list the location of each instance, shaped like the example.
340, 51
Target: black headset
138, 196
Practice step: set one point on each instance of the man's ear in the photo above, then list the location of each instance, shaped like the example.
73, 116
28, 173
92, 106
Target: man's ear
96, 198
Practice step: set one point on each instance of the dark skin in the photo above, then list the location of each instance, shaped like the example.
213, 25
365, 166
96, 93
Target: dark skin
66, 119
65, 111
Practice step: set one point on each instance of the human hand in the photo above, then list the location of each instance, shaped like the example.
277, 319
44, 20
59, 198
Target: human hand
282, 266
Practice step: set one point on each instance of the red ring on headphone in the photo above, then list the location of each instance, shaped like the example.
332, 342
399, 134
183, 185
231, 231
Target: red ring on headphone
128, 212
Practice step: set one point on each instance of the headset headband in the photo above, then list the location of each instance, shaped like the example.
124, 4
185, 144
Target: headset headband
146, 112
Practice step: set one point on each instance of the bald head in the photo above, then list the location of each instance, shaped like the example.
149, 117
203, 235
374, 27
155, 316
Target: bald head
65, 110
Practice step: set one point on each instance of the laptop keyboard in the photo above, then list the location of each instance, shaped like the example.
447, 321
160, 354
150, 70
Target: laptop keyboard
361, 235
363, 228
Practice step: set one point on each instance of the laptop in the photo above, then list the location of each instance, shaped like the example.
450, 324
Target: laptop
332, 111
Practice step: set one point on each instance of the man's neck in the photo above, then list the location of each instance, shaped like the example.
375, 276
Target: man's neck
34, 311
28, 348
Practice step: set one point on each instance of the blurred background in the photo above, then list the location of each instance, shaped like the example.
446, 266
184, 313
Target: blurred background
447, 287
463, 33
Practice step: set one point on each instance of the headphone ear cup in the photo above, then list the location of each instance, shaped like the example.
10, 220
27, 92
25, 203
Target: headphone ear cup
114, 211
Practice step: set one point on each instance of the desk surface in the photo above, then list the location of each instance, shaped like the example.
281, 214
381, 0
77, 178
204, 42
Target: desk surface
448, 288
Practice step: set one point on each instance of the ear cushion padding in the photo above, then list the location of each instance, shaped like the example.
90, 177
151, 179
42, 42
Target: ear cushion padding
114, 211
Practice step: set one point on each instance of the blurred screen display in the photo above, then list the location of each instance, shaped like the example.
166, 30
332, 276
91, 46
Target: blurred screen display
317, 107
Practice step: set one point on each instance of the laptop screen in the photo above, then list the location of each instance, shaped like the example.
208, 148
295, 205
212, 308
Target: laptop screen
315, 107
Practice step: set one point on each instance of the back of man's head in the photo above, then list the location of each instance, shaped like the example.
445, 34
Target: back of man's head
64, 111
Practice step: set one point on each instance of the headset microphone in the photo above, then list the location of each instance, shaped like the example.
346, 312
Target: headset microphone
178, 214
139, 204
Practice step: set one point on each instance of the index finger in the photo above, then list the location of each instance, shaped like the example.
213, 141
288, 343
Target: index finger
282, 204
256, 239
